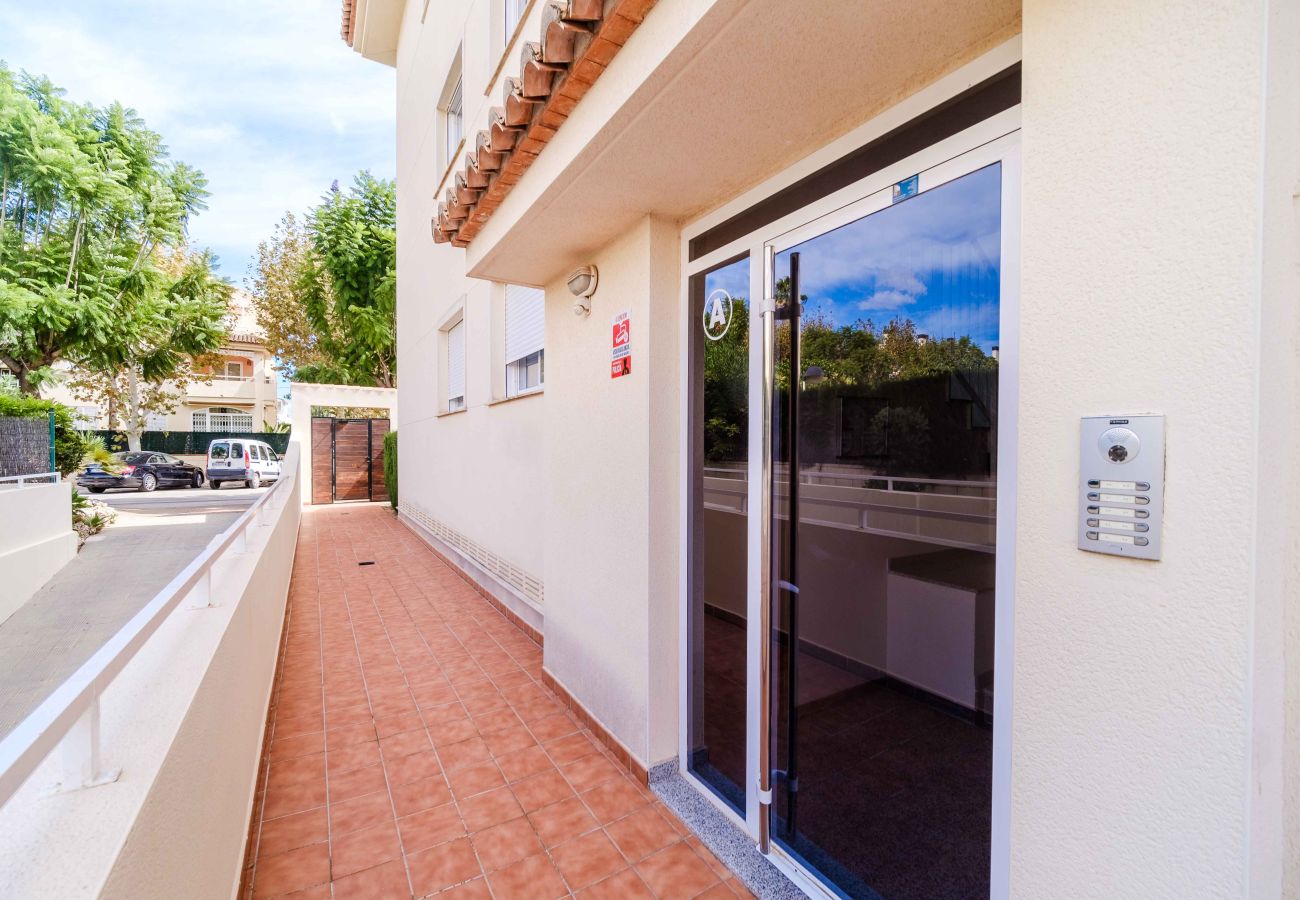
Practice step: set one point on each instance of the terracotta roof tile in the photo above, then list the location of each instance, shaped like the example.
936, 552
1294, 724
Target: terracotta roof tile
579, 38
349, 21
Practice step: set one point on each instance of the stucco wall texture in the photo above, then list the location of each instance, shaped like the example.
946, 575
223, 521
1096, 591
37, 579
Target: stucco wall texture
1135, 736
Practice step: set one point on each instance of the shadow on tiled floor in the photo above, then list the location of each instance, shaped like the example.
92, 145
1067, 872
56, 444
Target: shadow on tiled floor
413, 750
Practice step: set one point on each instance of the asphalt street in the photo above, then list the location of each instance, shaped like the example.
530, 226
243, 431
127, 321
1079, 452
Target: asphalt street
226, 498
116, 573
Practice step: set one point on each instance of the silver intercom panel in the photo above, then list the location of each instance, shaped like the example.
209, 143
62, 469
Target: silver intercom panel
1122, 485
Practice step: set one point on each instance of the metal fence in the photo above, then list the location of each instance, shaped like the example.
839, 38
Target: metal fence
37, 478
210, 421
181, 443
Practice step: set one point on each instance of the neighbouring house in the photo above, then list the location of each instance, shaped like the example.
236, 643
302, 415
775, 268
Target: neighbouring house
885, 414
236, 393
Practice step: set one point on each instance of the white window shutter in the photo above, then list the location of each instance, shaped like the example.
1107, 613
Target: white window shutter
455, 118
456, 360
525, 321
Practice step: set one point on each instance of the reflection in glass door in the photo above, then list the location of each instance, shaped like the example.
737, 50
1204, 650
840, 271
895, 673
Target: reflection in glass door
884, 467
717, 617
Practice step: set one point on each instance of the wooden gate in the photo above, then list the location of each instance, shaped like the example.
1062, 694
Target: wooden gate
347, 459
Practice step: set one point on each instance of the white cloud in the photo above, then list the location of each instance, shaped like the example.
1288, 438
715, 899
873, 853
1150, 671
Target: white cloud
887, 300
979, 321
901, 280
261, 95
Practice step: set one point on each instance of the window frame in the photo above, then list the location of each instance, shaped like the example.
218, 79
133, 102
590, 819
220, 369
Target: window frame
509, 27
516, 368
454, 318
454, 111
453, 90
508, 369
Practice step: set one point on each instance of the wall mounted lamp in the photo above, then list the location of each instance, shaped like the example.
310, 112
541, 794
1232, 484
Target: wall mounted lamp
582, 284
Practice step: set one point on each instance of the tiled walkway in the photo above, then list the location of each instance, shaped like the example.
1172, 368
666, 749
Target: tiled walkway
412, 748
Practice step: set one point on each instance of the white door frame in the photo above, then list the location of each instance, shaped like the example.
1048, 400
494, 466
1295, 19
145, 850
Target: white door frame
996, 139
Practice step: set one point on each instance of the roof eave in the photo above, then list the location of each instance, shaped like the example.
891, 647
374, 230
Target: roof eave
371, 28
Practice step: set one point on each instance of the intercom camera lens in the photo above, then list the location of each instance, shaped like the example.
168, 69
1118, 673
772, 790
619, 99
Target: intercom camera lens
1118, 453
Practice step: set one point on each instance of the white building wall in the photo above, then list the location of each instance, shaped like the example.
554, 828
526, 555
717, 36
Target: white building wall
1139, 756
1151, 755
611, 494
479, 471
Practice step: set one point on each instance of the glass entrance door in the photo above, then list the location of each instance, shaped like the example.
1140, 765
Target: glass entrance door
883, 491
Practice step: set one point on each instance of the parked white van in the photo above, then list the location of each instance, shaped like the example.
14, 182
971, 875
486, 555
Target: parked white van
237, 459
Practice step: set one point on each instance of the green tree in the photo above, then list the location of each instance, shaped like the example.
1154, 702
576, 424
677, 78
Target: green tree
726, 389
354, 236
90, 209
327, 292
175, 326
278, 285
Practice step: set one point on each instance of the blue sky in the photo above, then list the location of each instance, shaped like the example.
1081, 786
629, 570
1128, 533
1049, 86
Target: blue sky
261, 95
934, 259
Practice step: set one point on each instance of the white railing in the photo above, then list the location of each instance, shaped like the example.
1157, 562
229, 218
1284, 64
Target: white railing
40, 477
936, 513
876, 482
69, 718
221, 422
215, 377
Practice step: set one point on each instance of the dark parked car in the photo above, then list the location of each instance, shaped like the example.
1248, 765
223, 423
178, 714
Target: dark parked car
143, 472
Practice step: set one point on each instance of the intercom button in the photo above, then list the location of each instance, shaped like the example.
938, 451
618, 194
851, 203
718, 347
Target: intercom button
1121, 498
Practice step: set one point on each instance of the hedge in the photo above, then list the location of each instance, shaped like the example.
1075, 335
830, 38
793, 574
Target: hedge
390, 466
191, 443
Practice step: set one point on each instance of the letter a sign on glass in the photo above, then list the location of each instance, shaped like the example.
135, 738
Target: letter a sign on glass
620, 361
717, 315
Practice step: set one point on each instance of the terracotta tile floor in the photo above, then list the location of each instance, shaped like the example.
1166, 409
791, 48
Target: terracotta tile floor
413, 750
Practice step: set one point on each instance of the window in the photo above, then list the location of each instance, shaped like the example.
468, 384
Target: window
454, 114
221, 418
525, 333
514, 11
234, 368
456, 366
